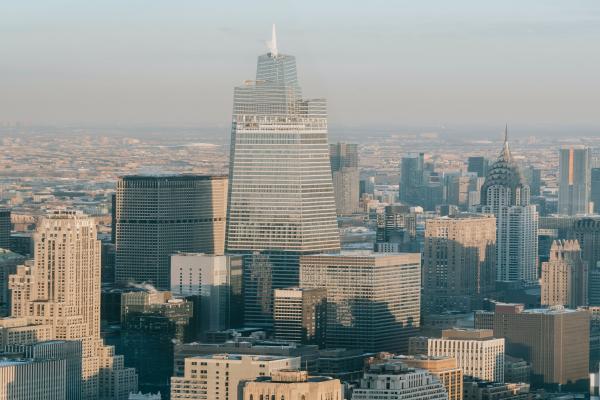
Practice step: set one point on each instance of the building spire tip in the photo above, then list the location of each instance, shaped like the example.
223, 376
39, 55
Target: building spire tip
273, 43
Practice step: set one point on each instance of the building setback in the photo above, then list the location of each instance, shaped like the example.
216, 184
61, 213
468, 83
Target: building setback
59, 298
506, 195
281, 201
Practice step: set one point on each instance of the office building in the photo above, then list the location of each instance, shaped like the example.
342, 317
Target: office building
445, 369
8, 266
420, 184
586, 230
505, 195
373, 299
574, 180
479, 353
293, 384
394, 380
396, 230
151, 324
68, 351
157, 216
533, 178
309, 354
300, 315
347, 365
459, 262
218, 377
549, 339
565, 276
412, 169
108, 263
516, 370
345, 175
21, 243
59, 298
5, 227
476, 389
281, 201
214, 284
30, 379
594, 286
457, 190
477, 165
595, 189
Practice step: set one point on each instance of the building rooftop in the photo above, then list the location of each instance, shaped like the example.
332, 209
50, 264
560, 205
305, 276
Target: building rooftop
6, 362
467, 334
365, 254
237, 357
179, 177
292, 376
554, 310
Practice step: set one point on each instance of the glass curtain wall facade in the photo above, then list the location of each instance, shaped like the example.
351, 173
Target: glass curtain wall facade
281, 201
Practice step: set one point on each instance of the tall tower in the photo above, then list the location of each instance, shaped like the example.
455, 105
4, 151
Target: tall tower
565, 276
281, 201
59, 298
574, 190
505, 195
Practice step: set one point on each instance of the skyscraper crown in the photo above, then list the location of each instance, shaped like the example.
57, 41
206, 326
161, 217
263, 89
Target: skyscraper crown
503, 172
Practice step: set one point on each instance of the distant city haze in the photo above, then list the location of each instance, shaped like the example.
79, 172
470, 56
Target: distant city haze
379, 63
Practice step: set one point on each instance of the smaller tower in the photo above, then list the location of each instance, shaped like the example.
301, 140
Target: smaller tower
564, 277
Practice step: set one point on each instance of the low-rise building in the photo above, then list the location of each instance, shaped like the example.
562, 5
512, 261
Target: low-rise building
33, 379
218, 376
444, 368
395, 380
478, 353
293, 384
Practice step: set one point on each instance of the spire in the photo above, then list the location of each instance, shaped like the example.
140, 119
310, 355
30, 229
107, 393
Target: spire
505, 153
273, 43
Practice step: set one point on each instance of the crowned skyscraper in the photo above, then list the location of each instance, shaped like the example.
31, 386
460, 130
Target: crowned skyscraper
281, 201
505, 195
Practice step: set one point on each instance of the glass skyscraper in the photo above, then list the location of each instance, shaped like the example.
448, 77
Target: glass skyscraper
281, 201
575, 166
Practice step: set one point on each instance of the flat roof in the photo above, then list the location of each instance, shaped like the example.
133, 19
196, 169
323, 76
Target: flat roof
181, 177
550, 311
360, 253
235, 357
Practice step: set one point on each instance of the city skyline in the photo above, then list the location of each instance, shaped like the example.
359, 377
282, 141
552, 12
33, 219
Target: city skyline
164, 253
463, 64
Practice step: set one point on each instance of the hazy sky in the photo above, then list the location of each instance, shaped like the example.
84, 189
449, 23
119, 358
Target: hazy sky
378, 62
